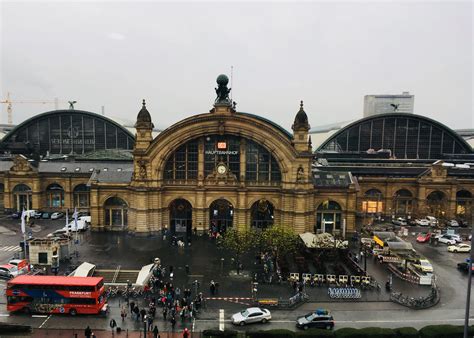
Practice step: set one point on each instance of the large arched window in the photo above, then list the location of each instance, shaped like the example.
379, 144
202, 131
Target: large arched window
183, 163
262, 214
436, 204
81, 196
403, 202
260, 164
116, 213
54, 196
22, 197
463, 205
372, 202
328, 217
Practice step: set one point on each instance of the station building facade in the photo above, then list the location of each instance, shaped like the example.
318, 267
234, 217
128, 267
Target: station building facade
233, 169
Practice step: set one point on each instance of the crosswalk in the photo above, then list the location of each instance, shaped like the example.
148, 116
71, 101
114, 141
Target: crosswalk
10, 248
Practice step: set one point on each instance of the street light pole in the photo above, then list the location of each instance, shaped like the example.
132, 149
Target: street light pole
469, 280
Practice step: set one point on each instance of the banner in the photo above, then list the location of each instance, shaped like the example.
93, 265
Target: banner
23, 221
67, 221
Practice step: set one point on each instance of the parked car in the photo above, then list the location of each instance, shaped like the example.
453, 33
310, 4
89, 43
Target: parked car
16, 215
412, 221
423, 265
446, 239
433, 221
459, 248
38, 214
422, 222
463, 223
423, 237
251, 315
315, 320
464, 267
6, 271
400, 221
46, 215
456, 237
57, 215
452, 223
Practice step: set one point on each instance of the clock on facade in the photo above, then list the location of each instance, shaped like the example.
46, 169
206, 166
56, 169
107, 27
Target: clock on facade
221, 169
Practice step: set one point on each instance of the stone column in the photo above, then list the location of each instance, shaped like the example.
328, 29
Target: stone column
239, 220
201, 162
200, 213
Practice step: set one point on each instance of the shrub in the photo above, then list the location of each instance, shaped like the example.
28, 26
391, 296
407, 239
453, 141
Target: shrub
442, 331
406, 332
315, 333
272, 333
365, 332
217, 333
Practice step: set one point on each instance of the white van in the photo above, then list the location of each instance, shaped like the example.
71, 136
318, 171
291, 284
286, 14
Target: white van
81, 226
30, 213
433, 221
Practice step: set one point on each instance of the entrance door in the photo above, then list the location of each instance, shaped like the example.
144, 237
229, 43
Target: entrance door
181, 217
221, 214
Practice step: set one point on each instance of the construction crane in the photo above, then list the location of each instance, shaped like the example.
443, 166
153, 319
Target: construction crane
9, 102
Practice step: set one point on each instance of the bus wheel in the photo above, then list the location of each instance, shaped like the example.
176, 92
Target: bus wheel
73, 312
27, 310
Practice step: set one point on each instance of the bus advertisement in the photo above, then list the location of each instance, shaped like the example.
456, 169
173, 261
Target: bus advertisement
56, 294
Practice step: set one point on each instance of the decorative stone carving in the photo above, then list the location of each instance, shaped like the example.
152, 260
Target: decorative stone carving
20, 163
142, 171
300, 174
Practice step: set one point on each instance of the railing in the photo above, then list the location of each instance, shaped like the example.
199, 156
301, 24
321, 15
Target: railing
417, 303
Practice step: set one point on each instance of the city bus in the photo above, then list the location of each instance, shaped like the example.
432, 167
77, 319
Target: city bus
56, 294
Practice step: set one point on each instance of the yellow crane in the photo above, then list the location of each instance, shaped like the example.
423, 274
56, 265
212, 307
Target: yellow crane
9, 102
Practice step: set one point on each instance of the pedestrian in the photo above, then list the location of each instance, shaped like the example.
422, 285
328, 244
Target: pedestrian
143, 314
173, 322
212, 288
88, 332
182, 314
155, 332
136, 311
165, 312
113, 324
150, 322
185, 333
132, 306
123, 313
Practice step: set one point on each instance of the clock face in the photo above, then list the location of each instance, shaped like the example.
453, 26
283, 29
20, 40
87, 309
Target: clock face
221, 169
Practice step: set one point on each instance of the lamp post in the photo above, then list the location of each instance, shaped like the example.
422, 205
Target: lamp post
469, 281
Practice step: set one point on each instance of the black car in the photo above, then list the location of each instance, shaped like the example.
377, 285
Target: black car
464, 267
314, 320
16, 215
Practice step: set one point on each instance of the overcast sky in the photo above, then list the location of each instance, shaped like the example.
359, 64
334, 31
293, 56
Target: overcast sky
328, 54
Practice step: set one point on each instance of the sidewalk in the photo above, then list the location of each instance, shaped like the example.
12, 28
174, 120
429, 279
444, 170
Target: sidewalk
52, 333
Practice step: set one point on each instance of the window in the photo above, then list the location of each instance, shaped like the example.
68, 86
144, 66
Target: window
183, 163
81, 196
55, 196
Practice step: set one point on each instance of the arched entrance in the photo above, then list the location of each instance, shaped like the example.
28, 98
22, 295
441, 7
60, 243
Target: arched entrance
221, 215
436, 204
402, 203
463, 205
372, 203
181, 217
116, 213
328, 217
262, 214
22, 197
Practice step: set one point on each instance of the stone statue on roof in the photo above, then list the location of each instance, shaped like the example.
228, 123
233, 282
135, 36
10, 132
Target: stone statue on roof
222, 91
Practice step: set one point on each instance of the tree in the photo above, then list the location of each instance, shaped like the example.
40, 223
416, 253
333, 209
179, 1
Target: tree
238, 242
279, 240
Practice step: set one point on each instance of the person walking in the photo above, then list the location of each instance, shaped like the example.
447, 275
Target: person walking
155, 332
132, 306
173, 322
136, 311
165, 312
150, 322
123, 313
88, 332
212, 288
185, 333
142, 314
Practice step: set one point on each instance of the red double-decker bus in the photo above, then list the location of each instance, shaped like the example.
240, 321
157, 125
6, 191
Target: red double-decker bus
56, 294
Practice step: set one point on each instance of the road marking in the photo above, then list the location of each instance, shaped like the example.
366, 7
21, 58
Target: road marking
10, 248
4, 315
39, 316
44, 322
221, 320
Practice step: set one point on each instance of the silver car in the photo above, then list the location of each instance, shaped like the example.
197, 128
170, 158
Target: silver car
251, 315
